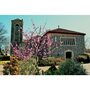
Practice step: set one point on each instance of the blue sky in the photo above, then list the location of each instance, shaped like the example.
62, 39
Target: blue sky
80, 23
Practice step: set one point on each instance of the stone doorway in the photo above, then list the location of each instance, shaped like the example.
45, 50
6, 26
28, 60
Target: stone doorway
68, 54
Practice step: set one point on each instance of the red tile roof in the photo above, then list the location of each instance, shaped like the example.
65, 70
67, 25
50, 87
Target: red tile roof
64, 31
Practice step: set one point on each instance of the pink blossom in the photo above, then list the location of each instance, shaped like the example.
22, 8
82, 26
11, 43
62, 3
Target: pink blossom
33, 44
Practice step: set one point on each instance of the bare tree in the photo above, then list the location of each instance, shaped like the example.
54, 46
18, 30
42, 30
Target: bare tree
3, 38
87, 43
2, 34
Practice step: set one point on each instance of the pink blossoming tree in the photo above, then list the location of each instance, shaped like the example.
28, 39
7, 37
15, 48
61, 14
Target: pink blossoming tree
34, 44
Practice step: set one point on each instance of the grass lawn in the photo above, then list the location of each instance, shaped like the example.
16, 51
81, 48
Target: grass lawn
3, 62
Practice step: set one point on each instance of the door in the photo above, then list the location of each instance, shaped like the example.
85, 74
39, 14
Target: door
68, 55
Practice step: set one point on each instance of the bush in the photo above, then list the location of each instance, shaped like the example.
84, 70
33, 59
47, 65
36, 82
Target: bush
68, 67
5, 58
49, 61
11, 68
20, 67
14, 67
6, 68
71, 67
83, 58
52, 70
28, 67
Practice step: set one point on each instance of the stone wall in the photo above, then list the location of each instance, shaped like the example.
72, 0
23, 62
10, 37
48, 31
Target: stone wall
59, 50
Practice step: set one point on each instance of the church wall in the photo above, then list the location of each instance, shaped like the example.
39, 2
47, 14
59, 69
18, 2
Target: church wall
59, 50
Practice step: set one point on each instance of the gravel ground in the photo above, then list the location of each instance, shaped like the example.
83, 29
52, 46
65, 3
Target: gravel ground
87, 67
1, 69
45, 68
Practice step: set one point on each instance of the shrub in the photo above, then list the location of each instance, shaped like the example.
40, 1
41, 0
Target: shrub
28, 67
71, 67
49, 61
6, 68
52, 70
14, 67
68, 67
21, 67
5, 58
83, 58
11, 68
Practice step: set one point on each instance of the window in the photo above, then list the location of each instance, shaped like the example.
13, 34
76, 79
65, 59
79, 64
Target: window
17, 27
55, 39
68, 41
17, 38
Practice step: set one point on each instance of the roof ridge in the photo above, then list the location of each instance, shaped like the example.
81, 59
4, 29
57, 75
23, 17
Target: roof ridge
65, 31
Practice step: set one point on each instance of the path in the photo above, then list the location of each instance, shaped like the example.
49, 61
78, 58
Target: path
87, 67
1, 69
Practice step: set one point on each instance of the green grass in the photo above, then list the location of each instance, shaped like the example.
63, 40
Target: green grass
3, 62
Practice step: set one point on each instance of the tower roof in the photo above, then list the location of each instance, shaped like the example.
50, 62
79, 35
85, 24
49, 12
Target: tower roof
17, 19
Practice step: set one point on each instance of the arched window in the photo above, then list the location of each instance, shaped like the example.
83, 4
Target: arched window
17, 27
17, 33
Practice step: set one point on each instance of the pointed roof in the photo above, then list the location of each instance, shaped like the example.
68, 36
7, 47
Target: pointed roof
64, 31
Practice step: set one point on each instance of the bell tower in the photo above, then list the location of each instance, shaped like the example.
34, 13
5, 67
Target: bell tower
16, 31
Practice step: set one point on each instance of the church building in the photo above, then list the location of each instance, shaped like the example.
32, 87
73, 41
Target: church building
65, 43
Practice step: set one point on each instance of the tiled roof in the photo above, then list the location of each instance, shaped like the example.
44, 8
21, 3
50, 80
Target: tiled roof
64, 31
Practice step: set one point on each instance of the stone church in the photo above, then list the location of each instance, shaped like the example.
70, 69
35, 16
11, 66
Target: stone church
66, 43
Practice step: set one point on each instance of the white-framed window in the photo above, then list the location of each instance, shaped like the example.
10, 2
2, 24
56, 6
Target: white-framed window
68, 40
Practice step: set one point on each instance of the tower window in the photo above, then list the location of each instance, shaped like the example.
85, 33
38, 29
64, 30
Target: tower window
17, 27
